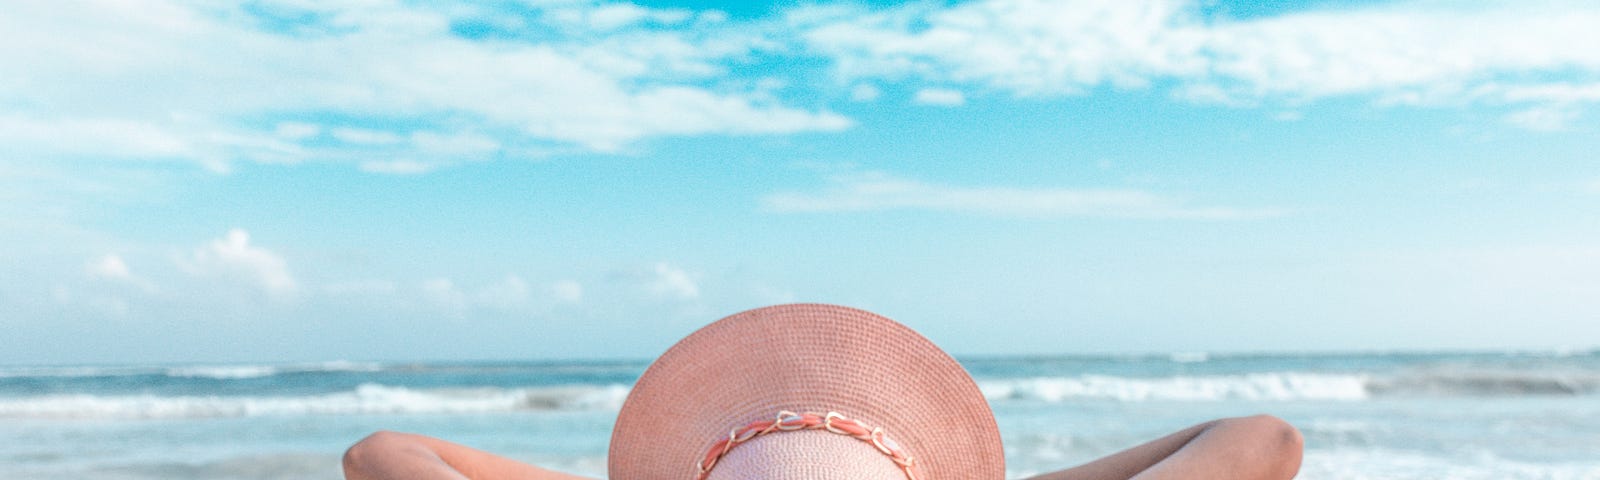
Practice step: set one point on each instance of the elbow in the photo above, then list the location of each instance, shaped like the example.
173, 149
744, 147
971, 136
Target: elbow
359, 458
1278, 444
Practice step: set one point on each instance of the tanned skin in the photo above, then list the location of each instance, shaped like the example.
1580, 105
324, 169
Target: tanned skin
1259, 447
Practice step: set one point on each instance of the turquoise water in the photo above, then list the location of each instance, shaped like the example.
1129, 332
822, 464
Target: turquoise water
1479, 415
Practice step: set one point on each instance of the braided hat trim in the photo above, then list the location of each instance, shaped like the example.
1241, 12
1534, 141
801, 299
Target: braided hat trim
790, 421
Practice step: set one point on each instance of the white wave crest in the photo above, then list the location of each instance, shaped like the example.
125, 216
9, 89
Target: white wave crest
365, 399
237, 372
223, 372
77, 371
1260, 386
220, 372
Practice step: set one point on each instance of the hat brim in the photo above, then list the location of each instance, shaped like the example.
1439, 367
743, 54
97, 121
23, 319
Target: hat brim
805, 358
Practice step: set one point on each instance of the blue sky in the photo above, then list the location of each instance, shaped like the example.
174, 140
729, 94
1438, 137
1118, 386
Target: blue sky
299, 181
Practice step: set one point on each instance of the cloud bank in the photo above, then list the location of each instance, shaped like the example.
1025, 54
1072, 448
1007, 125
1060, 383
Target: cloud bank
876, 191
402, 88
1515, 54
396, 88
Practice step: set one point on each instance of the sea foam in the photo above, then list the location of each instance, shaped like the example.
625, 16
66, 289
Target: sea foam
1258, 386
219, 372
365, 399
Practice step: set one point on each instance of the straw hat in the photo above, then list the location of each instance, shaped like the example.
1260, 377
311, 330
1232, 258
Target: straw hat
805, 391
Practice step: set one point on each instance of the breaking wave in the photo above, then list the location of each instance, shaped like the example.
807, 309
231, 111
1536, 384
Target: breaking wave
365, 399
1262, 386
375, 398
219, 372
1288, 386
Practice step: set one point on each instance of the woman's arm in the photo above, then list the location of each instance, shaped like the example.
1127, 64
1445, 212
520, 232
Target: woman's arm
395, 456
1261, 447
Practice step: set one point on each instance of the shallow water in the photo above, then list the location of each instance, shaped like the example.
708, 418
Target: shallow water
1368, 416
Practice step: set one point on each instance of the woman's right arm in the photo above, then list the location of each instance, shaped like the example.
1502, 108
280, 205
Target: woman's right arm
395, 456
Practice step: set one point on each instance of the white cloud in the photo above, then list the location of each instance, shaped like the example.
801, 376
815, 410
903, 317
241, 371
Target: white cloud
297, 130
1543, 118
1028, 47
1592, 186
167, 80
672, 282
109, 267
864, 92
114, 287
454, 144
877, 192
419, 152
942, 97
233, 257
362, 136
129, 138
510, 292
442, 292
1555, 106
611, 17
1416, 53
568, 291
1548, 92
617, 15
174, 81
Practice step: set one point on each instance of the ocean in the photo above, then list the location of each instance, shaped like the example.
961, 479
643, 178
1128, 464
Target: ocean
1528, 415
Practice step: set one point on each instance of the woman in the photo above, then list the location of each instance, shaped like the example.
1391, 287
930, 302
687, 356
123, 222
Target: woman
743, 398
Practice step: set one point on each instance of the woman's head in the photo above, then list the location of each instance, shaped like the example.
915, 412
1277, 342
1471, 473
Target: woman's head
747, 368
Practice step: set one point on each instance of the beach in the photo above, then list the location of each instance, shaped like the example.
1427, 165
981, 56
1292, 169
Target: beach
1518, 415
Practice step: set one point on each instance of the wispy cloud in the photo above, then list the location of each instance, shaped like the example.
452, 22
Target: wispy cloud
175, 81
234, 258
511, 293
569, 291
943, 97
1407, 53
879, 192
1592, 186
393, 87
1554, 106
214, 275
398, 167
864, 92
670, 281
110, 267
1550, 118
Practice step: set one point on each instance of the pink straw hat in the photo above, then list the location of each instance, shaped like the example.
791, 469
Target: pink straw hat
805, 391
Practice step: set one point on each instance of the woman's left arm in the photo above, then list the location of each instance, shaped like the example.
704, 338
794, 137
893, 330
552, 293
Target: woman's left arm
1258, 447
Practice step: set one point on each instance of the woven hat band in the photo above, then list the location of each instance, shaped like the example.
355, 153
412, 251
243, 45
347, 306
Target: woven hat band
805, 455
831, 422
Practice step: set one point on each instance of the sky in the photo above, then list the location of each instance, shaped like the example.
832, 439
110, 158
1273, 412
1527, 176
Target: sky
292, 180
